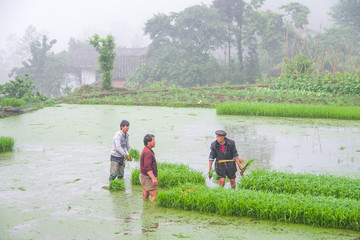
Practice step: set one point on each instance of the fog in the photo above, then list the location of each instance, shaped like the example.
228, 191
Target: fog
125, 20
82, 18
318, 17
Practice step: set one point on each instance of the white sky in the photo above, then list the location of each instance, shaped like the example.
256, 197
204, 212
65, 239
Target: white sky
62, 19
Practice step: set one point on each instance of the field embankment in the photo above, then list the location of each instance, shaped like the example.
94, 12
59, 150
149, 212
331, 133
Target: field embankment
208, 97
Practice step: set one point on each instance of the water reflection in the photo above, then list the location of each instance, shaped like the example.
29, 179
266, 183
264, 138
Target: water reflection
126, 208
253, 145
149, 223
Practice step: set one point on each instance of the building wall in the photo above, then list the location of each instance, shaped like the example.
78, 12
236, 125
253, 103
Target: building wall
88, 77
119, 83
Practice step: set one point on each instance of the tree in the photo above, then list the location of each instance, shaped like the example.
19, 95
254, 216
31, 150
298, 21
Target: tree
198, 29
181, 46
17, 50
271, 31
106, 50
44, 68
346, 13
238, 14
338, 50
20, 88
252, 67
299, 13
17, 88
278, 36
20, 47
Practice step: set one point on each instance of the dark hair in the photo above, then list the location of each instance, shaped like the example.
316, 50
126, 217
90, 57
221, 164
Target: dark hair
124, 123
148, 138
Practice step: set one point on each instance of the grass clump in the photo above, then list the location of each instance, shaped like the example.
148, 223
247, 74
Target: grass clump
289, 110
307, 184
171, 175
117, 185
6, 144
11, 102
134, 155
293, 208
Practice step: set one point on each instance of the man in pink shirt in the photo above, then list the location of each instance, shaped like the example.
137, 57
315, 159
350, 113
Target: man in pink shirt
148, 169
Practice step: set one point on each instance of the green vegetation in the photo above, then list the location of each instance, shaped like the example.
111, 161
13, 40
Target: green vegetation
293, 208
248, 164
117, 185
20, 93
253, 43
289, 110
134, 155
298, 74
171, 175
301, 93
307, 184
105, 48
11, 102
46, 69
208, 97
317, 200
6, 144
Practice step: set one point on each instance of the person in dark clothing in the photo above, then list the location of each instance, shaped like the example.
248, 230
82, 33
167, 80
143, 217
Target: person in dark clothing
148, 169
223, 152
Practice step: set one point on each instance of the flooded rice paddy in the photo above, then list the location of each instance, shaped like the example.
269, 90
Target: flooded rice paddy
51, 185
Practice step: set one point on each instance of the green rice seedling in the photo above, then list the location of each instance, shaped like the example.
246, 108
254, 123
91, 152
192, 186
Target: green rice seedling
171, 175
248, 163
6, 144
307, 184
135, 179
117, 185
289, 110
134, 155
216, 178
293, 208
11, 102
